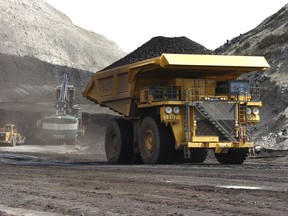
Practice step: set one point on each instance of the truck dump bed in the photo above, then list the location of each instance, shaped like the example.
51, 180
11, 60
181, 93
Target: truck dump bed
116, 88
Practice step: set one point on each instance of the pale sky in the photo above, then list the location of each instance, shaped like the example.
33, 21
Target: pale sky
131, 23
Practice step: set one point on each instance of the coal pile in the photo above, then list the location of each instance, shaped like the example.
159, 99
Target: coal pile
158, 45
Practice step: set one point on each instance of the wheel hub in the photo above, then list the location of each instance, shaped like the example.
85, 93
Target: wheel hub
149, 141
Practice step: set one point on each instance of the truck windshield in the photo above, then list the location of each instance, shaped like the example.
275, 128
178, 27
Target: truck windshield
239, 87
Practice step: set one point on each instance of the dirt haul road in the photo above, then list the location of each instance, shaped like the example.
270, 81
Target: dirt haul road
70, 183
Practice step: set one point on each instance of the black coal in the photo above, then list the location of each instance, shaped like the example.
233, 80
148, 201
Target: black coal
158, 45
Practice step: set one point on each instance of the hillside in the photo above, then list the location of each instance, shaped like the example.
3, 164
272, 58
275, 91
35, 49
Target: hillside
39, 44
269, 38
36, 29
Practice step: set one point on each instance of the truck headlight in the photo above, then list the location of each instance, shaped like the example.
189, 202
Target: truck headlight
176, 110
168, 110
255, 111
248, 111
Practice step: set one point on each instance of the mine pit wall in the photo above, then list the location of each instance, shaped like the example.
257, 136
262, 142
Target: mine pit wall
272, 131
275, 101
28, 79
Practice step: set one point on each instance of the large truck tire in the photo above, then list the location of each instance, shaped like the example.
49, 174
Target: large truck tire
233, 156
119, 141
156, 142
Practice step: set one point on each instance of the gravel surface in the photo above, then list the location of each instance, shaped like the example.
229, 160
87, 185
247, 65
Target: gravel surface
81, 184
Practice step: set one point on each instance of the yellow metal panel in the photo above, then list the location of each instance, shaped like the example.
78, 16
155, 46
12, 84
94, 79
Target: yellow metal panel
218, 146
205, 139
198, 145
201, 145
212, 66
254, 103
246, 145
175, 120
178, 133
253, 118
170, 118
122, 106
208, 61
160, 103
106, 86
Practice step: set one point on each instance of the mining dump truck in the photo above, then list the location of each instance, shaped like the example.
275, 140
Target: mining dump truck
10, 136
177, 106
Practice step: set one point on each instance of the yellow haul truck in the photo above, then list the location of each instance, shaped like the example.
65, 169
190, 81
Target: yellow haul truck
177, 106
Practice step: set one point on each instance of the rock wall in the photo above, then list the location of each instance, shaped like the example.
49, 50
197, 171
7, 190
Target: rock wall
23, 81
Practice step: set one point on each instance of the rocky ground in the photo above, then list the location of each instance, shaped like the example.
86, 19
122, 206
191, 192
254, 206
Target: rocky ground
76, 182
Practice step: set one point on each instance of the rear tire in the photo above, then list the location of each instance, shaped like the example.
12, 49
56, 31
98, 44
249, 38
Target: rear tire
233, 156
119, 141
155, 142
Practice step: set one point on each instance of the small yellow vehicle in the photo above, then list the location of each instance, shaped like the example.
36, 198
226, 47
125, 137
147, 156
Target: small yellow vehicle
9, 135
177, 106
